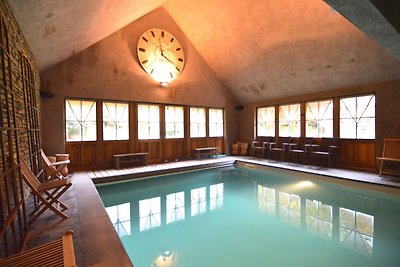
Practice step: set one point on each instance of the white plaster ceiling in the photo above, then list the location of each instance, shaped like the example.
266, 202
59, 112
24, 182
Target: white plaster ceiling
58, 29
258, 49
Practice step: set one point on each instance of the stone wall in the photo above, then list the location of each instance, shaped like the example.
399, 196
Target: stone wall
19, 119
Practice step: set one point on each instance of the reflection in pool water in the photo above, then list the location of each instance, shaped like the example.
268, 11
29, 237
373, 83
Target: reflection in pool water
239, 217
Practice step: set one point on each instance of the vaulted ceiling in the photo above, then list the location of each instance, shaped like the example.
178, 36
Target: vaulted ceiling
258, 49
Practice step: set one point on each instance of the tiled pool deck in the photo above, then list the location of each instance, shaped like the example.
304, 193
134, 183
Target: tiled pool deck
96, 242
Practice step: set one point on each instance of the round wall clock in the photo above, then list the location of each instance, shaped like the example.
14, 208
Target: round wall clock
160, 55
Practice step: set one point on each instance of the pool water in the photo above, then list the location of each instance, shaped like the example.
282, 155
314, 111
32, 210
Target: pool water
232, 216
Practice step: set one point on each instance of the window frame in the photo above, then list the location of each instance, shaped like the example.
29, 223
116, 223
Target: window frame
339, 116
205, 122
332, 99
209, 123
148, 122
278, 123
165, 122
266, 122
129, 119
66, 120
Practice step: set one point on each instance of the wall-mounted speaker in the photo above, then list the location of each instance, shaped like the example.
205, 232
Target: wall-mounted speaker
239, 107
46, 94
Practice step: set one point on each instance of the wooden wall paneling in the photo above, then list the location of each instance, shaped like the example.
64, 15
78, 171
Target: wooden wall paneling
348, 153
89, 154
302, 118
75, 155
100, 153
336, 115
175, 149
187, 133
162, 132
357, 154
132, 128
109, 148
366, 154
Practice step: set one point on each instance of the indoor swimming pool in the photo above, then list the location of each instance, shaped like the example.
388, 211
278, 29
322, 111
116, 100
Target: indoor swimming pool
234, 216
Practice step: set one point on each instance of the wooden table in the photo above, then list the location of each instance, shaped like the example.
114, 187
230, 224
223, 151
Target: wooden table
209, 151
130, 158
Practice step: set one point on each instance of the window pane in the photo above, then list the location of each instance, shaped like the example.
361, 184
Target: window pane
347, 128
109, 132
115, 121
174, 127
73, 131
197, 122
319, 119
366, 128
266, 121
216, 122
89, 131
123, 131
289, 120
148, 122
357, 117
80, 120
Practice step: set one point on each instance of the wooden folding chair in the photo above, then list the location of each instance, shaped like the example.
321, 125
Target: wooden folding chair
53, 168
390, 153
54, 254
47, 193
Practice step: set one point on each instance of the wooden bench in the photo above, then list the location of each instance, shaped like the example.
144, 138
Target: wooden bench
390, 153
56, 253
209, 151
140, 158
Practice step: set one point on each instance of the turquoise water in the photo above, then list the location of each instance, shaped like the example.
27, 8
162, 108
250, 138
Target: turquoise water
238, 217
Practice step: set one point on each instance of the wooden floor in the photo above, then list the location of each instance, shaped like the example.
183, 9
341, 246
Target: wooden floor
95, 236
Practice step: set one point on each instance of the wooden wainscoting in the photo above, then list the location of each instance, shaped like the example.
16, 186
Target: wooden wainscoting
174, 149
357, 154
99, 155
153, 147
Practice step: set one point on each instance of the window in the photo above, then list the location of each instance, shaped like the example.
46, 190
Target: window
356, 230
198, 201
148, 122
357, 117
115, 121
197, 122
120, 216
319, 119
175, 207
266, 121
216, 196
80, 120
266, 200
289, 120
319, 218
149, 213
216, 122
174, 122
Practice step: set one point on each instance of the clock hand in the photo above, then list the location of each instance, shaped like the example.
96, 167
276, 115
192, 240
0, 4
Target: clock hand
168, 59
159, 41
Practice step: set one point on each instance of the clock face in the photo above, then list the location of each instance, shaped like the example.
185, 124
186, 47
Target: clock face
159, 52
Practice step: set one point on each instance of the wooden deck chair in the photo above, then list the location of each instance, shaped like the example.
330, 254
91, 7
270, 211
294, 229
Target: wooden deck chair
390, 153
53, 169
56, 253
47, 193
